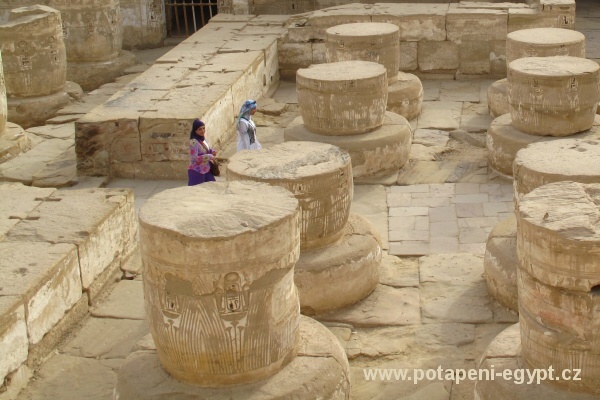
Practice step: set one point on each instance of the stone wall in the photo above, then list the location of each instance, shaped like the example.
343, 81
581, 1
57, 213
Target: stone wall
143, 130
143, 23
449, 39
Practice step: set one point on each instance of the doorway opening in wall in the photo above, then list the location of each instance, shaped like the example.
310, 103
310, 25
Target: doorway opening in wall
184, 17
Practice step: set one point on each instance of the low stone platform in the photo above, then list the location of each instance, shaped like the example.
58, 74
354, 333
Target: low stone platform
342, 273
374, 154
504, 353
58, 250
320, 370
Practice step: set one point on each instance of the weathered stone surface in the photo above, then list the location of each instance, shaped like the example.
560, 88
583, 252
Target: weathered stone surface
143, 24
119, 336
544, 42
500, 263
417, 22
46, 277
100, 222
453, 289
34, 111
405, 96
557, 235
554, 161
55, 131
408, 56
504, 353
92, 75
399, 272
372, 41
126, 301
385, 306
319, 175
369, 201
553, 96
342, 273
319, 371
60, 172
475, 57
13, 141
216, 260
342, 98
497, 98
475, 24
13, 335
475, 118
17, 201
444, 115
438, 56
373, 154
55, 379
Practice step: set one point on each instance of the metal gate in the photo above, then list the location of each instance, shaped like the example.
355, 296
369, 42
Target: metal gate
184, 17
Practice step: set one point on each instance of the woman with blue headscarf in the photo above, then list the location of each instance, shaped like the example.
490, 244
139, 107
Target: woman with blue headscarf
246, 128
201, 155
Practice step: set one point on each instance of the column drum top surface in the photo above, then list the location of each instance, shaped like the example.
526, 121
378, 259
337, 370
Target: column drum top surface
559, 66
546, 36
364, 29
289, 161
342, 71
568, 209
565, 157
218, 209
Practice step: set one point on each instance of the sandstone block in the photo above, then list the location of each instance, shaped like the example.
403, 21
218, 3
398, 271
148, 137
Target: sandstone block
530, 18
438, 56
408, 56
417, 22
475, 24
474, 57
377, 153
13, 335
319, 176
553, 96
215, 269
562, 11
342, 98
46, 276
143, 24
17, 201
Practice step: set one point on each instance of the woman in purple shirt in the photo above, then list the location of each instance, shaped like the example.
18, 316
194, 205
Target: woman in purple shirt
200, 155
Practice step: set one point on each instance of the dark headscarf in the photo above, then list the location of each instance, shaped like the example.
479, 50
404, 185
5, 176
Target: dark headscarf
193, 135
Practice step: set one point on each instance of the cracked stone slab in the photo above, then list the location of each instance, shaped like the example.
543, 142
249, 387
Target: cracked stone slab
444, 115
399, 272
17, 201
446, 303
117, 338
370, 201
62, 131
385, 306
95, 379
125, 301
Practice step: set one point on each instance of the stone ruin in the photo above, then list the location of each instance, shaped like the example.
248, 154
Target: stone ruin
221, 301
340, 252
35, 64
344, 104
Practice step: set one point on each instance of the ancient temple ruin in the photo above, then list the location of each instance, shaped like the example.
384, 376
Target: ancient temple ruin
424, 203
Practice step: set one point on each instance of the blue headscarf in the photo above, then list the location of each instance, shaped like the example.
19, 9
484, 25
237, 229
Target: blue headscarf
195, 125
248, 106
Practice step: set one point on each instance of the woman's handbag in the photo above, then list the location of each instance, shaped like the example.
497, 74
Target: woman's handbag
214, 164
214, 168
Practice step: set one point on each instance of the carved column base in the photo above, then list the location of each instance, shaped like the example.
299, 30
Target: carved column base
405, 96
504, 353
497, 97
374, 154
319, 371
34, 111
341, 274
92, 75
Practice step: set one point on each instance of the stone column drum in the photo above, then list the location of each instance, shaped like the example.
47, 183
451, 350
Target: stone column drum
335, 268
377, 42
536, 42
553, 96
3, 105
35, 64
542, 162
320, 177
558, 243
219, 280
342, 98
93, 37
